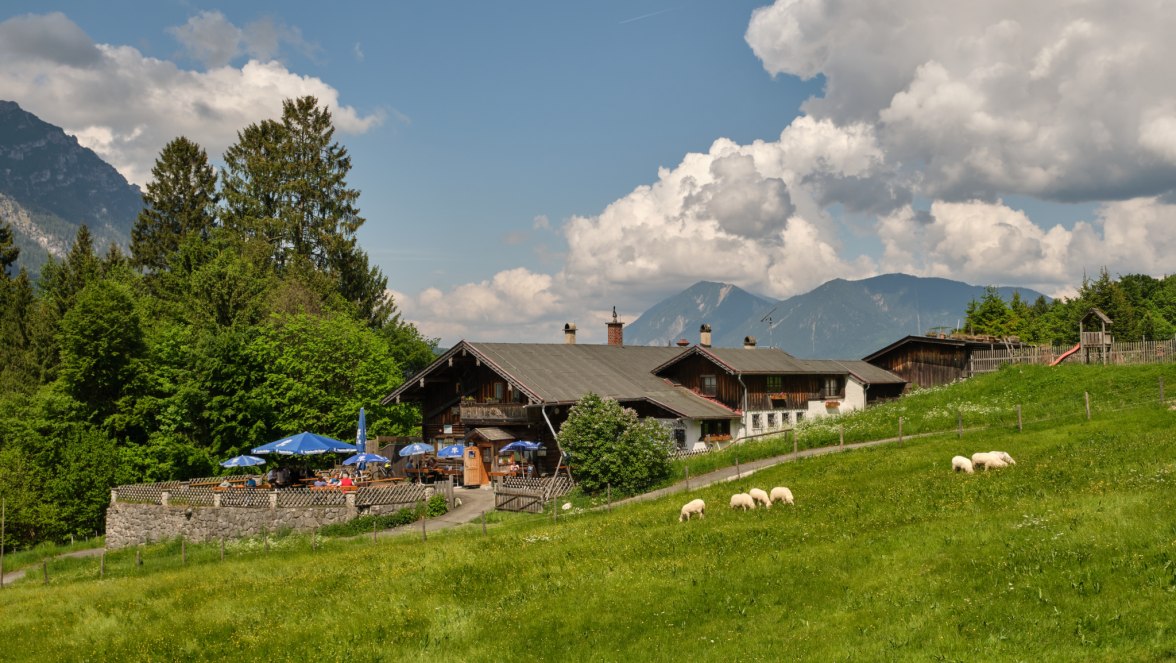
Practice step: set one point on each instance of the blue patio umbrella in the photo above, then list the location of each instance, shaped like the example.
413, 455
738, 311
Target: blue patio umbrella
365, 458
305, 444
452, 451
243, 461
520, 445
416, 449
361, 437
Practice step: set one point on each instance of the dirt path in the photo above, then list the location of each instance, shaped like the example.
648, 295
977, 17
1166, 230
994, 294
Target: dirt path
19, 574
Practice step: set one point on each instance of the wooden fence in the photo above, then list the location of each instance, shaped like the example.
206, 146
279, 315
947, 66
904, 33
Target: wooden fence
529, 495
1136, 352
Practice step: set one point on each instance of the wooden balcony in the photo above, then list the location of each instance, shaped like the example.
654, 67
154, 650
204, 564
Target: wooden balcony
473, 414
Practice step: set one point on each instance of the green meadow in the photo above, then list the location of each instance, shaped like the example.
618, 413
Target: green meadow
888, 555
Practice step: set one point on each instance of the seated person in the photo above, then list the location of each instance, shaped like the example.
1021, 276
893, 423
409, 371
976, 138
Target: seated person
319, 482
514, 467
251, 482
224, 483
346, 481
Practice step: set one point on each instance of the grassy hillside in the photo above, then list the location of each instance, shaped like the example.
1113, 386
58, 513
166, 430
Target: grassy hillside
1069, 555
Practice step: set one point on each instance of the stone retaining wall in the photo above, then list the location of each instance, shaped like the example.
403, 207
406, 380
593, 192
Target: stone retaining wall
132, 524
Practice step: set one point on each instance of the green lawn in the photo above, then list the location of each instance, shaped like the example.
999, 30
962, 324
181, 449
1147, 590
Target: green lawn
1070, 555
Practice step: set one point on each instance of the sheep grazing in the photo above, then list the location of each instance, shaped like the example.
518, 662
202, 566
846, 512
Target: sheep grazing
994, 463
692, 507
782, 494
1004, 456
981, 459
742, 501
961, 464
760, 497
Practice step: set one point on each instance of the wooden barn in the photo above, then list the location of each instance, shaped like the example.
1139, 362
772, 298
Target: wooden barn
929, 361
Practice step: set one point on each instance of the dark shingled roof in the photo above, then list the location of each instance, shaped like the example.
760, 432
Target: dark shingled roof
864, 371
562, 373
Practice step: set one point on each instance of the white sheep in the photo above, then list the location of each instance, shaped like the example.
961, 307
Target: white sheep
693, 507
994, 463
760, 497
961, 464
1004, 456
782, 494
742, 501
981, 459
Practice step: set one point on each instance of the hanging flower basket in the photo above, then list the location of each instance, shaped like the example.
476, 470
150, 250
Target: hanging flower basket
832, 405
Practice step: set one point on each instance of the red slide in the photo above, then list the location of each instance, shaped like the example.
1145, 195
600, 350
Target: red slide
1065, 354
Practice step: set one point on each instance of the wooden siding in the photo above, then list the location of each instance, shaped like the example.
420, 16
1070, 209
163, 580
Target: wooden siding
926, 365
689, 372
794, 393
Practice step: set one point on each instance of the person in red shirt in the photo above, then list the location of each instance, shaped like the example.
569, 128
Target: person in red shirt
346, 481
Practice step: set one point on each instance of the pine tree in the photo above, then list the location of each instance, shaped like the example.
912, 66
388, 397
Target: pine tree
181, 199
9, 251
285, 183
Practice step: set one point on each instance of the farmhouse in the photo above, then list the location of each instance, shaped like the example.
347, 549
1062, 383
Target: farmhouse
930, 361
488, 395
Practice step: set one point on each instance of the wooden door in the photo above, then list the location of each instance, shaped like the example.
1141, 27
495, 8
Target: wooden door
475, 469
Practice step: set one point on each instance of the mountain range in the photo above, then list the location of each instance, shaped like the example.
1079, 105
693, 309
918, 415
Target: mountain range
50, 185
838, 320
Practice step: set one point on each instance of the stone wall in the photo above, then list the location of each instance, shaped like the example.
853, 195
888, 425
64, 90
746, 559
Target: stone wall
132, 524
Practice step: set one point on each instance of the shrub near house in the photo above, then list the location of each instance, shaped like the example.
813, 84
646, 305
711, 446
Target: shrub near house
611, 447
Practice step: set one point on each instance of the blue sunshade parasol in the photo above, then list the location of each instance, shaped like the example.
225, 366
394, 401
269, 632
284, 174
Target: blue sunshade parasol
520, 445
416, 449
305, 444
365, 458
452, 451
243, 461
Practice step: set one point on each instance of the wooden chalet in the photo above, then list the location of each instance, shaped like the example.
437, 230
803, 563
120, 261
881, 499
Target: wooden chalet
488, 395
929, 361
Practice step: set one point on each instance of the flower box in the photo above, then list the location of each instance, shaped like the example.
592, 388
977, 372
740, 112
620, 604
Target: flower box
832, 405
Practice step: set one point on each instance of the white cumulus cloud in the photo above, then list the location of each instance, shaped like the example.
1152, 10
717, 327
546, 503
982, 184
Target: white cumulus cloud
127, 106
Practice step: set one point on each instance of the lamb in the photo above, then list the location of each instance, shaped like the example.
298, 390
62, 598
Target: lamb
692, 507
961, 464
1004, 456
760, 497
782, 494
742, 501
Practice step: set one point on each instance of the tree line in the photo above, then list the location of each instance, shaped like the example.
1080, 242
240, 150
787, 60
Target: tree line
1141, 307
245, 310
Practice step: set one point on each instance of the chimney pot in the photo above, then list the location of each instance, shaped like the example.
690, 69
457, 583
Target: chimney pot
748, 342
570, 333
683, 342
704, 335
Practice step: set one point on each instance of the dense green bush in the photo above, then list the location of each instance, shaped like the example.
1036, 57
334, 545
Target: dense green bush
610, 446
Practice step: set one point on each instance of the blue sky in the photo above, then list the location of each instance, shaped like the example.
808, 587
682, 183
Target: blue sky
527, 164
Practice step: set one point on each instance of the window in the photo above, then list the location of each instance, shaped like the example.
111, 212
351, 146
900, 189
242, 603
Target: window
771, 419
710, 385
756, 421
499, 391
832, 387
799, 417
775, 384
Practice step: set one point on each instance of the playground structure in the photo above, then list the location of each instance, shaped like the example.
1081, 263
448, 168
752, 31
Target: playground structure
1095, 342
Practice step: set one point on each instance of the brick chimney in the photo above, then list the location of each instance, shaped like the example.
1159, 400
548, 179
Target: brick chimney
570, 334
748, 342
615, 335
704, 335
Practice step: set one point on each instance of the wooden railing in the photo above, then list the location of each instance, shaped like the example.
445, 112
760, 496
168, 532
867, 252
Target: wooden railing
1136, 352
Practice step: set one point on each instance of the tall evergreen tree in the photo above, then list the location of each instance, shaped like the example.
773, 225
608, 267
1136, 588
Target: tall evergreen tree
9, 251
286, 184
181, 199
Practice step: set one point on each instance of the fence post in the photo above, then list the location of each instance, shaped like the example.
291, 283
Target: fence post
1161, 390
265, 535
424, 519
737, 472
795, 452
1086, 394
138, 557
3, 513
554, 510
373, 529
222, 549
314, 539
483, 523
959, 424
45, 569
183, 551
1019, 428
687, 478
609, 491
900, 431
841, 434
102, 566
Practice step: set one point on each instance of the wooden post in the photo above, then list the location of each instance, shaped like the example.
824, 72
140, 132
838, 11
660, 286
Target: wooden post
900, 431
959, 424
424, 519
841, 434
1086, 394
3, 514
483, 523
1161, 390
183, 550
1019, 428
687, 478
138, 557
737, 472
265, 534
554, 510
222, 549
609, 491
102, 566
45, 569
373, 529
795, 451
